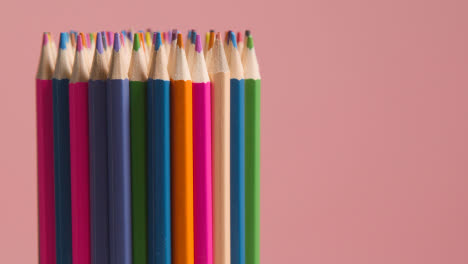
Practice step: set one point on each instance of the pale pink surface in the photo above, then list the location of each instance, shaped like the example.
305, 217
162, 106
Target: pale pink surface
364, 122
202, 177
79, 168
45, 171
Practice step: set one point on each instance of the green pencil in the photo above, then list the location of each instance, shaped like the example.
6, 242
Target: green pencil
138, 76
252, 155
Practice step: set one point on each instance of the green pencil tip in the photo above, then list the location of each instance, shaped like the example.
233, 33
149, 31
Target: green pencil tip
250, 42
136, 42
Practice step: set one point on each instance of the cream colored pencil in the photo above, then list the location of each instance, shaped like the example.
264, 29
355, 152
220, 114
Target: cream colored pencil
220, 118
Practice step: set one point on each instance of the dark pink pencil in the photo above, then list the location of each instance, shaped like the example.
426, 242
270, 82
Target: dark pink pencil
45, 153
203, 230
79, 157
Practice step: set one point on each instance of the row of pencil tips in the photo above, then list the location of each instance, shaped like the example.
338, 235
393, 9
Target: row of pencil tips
236, 52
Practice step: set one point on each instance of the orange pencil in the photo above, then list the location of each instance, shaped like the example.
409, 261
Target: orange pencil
181, 159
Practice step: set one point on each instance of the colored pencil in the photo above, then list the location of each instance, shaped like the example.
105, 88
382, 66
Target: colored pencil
60, 82
45, 153
99, 181
202, 184
79, 156
181, 158
118, 149
159, 162
252, 154
220, 111
138, 76
237, 154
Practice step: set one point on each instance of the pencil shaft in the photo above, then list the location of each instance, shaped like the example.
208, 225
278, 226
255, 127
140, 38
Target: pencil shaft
138, 167
182, 172
221, 162
118, 127
45, 171
98, 172
79, 165
202, 173
159, 172
237, 171
62, 171
252, 170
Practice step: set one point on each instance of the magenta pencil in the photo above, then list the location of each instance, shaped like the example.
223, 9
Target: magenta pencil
203, 232
79, 157
45, 153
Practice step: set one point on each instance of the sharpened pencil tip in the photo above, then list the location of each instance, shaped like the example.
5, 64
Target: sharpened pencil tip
218, 35
158, 41
99, 47
250, 43
174, 35
136, 42
194, 37
198, 45
232, 38
117, 44
45, 38
239, 37
63, 40
180, 42
247, 33
79, 42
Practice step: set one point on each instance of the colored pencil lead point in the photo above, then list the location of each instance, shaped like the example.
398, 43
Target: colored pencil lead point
180, 42
45, 39
154, 38
232, 38
63, 40
99, 46
117, 44
247, 33
158, 41
218, 35
198, 45
250, 44
174, 35
136, 42
79, 43
83, 39
239, 37
194, 37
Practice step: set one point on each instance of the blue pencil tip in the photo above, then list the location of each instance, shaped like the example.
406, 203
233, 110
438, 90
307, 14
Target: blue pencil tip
233, 39
63, 40
158, 42
194, 37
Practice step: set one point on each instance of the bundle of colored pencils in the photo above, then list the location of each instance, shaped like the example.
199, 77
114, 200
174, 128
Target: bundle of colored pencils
148, 149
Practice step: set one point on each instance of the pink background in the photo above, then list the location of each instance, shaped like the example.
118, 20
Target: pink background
364, 118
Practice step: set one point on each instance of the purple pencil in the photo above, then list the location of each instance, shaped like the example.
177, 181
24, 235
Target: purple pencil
201, 86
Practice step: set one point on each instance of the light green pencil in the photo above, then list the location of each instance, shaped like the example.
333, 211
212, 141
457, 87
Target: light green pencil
252, 154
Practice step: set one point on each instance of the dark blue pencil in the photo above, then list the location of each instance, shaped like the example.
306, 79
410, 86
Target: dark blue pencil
237, 154
159, 162
60, 82
98, 156
118, 149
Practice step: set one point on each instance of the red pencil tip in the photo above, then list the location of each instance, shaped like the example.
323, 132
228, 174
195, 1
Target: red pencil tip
218, 35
